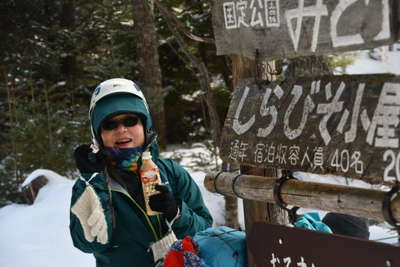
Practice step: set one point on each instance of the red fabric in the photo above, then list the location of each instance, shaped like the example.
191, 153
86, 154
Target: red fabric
174, 259
187, 245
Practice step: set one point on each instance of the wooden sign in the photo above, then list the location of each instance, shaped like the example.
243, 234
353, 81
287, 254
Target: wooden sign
398, 19
276, 246
346, 125
290, 28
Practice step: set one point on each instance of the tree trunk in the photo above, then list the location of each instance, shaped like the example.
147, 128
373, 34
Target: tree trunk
68, 62
149, 65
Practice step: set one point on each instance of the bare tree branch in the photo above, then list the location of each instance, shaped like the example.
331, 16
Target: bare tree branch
168, 15
183, 58
202, 75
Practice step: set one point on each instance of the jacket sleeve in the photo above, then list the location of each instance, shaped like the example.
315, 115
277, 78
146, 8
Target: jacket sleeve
195, 216
75, 226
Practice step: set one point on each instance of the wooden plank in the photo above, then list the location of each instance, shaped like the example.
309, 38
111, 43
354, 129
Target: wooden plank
290, 28
276, 245
359, 202
344, 125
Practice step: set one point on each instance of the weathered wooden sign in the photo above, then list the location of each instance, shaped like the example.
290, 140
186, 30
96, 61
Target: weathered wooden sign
276, 246
398, 19
289, 28
346, 125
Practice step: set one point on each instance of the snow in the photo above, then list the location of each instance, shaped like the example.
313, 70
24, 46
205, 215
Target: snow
38, 235
388, 62
381, 233
52, 177
334, 179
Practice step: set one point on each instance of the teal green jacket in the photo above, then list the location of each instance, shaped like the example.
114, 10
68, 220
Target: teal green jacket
131, 231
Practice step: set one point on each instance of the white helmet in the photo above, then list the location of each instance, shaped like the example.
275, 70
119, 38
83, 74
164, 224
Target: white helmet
115, 86
109, 87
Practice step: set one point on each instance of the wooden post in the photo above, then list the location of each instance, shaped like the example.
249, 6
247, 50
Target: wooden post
254, 210
337, 198
244, 68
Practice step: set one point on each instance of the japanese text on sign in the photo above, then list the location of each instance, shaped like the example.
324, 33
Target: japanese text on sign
332, 124
379, 128
281, 28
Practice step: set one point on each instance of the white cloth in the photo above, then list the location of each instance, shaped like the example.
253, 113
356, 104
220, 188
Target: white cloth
90, 213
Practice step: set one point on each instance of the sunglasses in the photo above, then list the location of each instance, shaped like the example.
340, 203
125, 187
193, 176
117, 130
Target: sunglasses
114, 124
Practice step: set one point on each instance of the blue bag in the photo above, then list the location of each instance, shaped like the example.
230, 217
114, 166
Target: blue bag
312, 221
222, 247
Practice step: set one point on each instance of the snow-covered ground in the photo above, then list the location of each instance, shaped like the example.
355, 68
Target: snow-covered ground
38, 235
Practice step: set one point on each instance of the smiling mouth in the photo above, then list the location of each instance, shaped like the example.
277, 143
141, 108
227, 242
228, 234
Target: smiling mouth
123, 142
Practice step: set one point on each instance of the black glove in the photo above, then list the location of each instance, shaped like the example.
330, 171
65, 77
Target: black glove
164, 202
87, 161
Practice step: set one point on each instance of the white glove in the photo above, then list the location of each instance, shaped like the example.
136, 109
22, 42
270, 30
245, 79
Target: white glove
90, 213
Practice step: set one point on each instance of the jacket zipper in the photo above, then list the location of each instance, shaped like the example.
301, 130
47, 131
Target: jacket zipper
144, 213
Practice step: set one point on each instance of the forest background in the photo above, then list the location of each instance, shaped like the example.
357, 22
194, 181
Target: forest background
53, 53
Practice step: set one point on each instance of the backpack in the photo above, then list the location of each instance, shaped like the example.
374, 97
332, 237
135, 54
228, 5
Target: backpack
222, 247
214, 247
